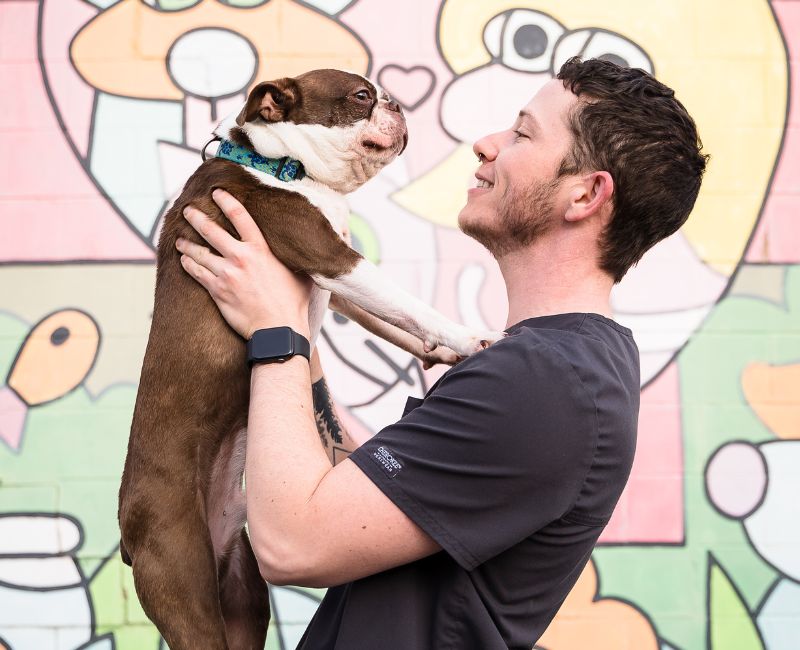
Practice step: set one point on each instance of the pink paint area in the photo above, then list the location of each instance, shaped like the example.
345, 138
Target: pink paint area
651, 507
13, 412
61, 19
51, 209
407, 44
409, 86
736, 479
200, 122
777, 237
670, 277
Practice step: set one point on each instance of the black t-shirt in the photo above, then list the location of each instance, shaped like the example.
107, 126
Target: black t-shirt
513, 463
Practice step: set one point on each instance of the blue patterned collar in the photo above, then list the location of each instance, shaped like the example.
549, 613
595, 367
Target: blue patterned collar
284, 169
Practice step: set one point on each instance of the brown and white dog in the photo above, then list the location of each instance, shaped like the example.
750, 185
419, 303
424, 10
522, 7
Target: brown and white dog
181, 509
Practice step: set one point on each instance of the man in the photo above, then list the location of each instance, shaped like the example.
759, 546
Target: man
466, 523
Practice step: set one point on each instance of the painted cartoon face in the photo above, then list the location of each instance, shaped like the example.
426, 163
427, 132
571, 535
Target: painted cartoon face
527, 47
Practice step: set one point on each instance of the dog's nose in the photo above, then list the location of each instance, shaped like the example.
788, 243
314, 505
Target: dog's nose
394, 106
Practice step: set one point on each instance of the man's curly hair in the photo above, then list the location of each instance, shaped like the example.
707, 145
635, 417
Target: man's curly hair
631, 125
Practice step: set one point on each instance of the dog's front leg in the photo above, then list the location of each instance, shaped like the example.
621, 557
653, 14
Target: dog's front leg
371, 290
335, 267
392, 334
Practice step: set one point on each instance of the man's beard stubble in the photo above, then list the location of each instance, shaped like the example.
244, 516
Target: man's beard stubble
523, 218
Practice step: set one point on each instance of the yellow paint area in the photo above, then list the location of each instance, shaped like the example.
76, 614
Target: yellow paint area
771, 391
123, 50
439, 195
55, 357
604, 624
728, 67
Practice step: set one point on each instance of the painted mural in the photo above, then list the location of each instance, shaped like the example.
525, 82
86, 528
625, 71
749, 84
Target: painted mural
108, 104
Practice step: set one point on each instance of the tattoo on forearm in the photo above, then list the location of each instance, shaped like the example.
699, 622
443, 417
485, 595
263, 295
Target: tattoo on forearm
327, 423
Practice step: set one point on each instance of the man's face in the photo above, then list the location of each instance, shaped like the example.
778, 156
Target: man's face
517, 198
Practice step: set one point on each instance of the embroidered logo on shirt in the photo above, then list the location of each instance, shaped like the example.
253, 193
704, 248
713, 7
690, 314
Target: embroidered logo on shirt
387, 461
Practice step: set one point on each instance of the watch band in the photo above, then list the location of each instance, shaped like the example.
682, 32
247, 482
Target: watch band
276, 345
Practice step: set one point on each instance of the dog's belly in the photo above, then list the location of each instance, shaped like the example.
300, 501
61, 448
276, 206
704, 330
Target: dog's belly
226, 508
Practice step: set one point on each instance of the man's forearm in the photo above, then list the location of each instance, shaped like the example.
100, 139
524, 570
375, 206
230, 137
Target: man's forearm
285, 461
334, 437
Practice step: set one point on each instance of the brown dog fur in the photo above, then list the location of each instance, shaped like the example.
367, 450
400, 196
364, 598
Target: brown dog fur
191, 406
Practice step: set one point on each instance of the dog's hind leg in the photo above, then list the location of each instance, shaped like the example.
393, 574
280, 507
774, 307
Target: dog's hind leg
175, 574
243, 593
244, 597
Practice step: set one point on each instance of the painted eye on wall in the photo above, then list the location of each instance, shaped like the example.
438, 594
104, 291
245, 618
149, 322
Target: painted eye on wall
601, 44
523, 39
170, 5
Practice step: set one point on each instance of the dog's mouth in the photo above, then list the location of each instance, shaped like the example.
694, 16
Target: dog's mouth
390, 145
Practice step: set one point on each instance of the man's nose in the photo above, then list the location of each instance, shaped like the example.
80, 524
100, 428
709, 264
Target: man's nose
485, 149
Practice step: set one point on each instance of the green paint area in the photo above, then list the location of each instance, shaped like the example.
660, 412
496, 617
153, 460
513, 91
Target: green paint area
730, 624
70, 458
671, 584
70, 462
365, 241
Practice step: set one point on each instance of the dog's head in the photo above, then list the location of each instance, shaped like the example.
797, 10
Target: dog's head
342, 127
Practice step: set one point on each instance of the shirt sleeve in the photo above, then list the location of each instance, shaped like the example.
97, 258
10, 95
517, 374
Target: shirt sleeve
499, 449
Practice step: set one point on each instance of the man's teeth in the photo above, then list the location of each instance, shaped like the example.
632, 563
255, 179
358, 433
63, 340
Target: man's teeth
483, 183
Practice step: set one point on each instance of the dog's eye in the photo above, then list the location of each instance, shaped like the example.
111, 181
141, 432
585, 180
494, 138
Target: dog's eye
363, 95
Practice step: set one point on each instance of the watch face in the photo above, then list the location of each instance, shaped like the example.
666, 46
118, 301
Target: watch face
272, 343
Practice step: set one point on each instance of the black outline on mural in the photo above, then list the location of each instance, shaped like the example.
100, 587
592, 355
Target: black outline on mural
782, 266
211, 100
763, 496
275, 610
27, 336
711, 561
83, 583
426, 95
597, 597
85, 163
82, 162
401, 374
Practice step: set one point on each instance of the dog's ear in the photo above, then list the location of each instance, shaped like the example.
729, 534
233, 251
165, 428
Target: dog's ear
271, 100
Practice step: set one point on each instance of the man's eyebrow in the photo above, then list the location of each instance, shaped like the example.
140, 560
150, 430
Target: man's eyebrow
523, 114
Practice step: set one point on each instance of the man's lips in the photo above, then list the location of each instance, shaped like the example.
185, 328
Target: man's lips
484, 185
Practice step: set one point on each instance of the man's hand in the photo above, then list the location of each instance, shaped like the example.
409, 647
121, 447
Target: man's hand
252, 288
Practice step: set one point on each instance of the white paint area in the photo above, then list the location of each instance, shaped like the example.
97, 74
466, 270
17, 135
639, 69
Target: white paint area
470, 282
212, 62
44, 603
37, 535
774, 528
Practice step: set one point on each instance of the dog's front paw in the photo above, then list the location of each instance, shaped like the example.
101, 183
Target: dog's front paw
468, 342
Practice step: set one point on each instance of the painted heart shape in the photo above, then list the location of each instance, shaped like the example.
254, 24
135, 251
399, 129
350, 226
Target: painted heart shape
409, 86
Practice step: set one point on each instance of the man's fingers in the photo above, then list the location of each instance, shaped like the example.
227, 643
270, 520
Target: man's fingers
238, 216
200, 255
199, 273
212, 232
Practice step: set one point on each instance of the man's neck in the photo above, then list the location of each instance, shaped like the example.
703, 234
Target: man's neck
544, 279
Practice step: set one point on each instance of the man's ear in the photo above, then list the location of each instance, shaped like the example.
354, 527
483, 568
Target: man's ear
271, 100
589, 194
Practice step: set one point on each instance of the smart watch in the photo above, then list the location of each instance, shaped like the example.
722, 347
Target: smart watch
276, 345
